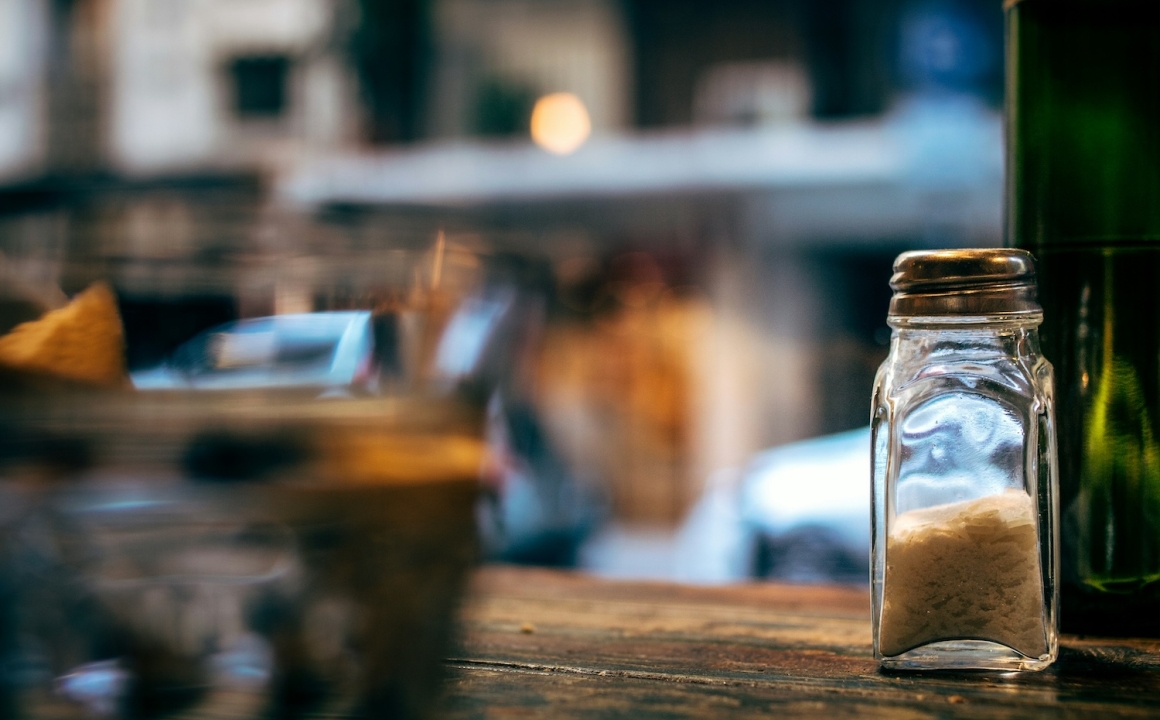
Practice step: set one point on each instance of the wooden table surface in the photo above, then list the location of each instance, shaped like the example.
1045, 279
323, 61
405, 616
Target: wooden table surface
539, 643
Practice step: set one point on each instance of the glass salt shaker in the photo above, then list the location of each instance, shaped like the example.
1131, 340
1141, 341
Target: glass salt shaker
965, 509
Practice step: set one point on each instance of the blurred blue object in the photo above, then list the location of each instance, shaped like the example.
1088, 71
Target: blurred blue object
945, 45
534, 512
326, 349
808, 506
463, 345
97, 686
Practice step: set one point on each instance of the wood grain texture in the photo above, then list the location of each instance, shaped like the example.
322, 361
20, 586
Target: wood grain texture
539, 643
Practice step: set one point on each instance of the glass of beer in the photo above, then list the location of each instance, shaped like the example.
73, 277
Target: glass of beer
239, 485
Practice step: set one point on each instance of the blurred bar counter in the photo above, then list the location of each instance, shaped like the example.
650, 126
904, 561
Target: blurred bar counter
541, 643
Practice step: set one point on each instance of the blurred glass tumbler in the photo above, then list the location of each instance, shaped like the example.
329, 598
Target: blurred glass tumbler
276, 522
965, 508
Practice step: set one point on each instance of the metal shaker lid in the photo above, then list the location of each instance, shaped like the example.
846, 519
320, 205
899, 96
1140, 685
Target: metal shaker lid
964, 283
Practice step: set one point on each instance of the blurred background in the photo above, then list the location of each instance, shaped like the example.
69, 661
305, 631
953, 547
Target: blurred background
688, 210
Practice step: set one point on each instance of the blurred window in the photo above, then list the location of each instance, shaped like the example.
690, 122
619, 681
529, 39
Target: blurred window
503, 108
750, 93
260, 85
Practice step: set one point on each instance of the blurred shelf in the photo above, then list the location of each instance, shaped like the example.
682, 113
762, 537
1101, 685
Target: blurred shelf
909, 176
708, 161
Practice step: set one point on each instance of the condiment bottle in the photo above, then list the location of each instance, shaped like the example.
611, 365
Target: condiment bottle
965, 505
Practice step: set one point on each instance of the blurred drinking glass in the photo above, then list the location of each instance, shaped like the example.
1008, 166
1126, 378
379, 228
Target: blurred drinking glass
236, 484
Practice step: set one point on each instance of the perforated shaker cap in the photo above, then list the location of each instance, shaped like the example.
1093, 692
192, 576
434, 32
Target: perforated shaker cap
964, 283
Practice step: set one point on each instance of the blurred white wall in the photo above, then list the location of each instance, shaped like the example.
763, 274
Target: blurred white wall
173, 101
163, 104
22, 89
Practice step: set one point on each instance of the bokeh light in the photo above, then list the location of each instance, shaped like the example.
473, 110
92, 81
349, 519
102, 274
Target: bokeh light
560, 123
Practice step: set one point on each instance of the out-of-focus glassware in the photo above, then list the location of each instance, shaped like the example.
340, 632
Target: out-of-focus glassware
267, 517
964, 462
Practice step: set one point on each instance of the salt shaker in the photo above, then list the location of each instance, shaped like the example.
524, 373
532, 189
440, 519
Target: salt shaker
965, 508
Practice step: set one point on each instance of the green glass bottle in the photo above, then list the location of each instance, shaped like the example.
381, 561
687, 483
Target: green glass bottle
1083, 195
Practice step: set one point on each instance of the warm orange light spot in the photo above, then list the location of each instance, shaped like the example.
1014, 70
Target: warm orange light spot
560, 123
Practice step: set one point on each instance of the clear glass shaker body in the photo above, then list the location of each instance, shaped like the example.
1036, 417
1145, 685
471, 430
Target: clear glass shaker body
964, 560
